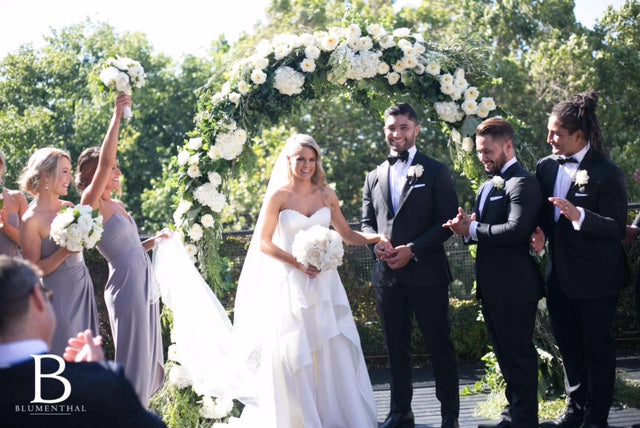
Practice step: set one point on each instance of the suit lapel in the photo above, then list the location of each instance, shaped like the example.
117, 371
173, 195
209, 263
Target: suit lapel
408, 183
383, 180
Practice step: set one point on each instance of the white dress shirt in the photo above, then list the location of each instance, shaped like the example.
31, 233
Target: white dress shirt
13, 353
564, 178
398, 177
473, 227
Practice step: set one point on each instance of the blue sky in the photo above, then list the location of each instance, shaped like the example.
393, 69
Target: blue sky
174, 28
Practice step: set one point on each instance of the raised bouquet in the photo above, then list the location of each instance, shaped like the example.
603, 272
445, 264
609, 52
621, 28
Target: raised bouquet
318, 246
122, 75
77, 228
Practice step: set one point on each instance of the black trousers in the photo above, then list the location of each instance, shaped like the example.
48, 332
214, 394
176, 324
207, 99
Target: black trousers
510, 329
582, 328
396, 305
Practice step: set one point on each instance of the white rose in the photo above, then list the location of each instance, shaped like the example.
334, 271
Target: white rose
85, 223
308, 65
207, 221
194, 143
194, 171
468, 144
393, 78
258, 76
482, 112
469, 106
488, 103
386, 42
433, 68
191, 250
312, 52
471, 93
214, 178
383, 68
243, 87
74, 237
401, 32
418, 69
582, 177
329, 43
196, 232
234, 97
183, 157
179, 377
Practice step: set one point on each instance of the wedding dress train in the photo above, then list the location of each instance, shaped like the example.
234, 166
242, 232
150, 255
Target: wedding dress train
293, 356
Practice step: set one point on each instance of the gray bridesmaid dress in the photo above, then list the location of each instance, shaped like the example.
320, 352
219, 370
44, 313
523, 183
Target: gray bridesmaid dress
73, 301
7, 246
134, 317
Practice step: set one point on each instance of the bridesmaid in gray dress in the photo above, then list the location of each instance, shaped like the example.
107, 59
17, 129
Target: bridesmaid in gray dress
129, 294
14, 205
47, 177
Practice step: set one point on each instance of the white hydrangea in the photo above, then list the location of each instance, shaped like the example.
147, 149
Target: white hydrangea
179, 377
448, 111
288, 81
207, 194
228, 145
215, 408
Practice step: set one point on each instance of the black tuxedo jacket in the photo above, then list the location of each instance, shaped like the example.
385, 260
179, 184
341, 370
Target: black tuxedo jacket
505, 270
101, 396
589, 263
425, 203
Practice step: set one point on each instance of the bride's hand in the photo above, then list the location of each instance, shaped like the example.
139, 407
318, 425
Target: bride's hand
310, 271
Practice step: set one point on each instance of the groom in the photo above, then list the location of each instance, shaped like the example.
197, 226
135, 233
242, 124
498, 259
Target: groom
408, 197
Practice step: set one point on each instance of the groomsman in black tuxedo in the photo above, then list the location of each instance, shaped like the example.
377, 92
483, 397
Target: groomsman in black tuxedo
508, 282
407, 198
584, 219
41, 390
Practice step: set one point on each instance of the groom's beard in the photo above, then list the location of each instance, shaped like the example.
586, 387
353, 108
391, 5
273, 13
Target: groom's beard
497, 165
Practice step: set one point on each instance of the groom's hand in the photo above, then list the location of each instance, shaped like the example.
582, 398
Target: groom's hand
400, 256
383, 250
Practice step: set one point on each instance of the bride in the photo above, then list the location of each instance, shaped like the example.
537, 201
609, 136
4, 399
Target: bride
295, 350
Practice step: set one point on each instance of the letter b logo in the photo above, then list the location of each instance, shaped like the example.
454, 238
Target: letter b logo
39, 375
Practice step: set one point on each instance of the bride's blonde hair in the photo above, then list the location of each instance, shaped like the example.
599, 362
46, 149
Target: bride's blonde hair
297, 141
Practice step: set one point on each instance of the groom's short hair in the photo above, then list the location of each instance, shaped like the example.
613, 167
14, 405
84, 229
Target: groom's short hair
496, 127
403, 109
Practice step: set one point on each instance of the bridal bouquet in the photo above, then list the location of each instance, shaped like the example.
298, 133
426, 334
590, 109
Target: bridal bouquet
77, 228
318, 246
122, 75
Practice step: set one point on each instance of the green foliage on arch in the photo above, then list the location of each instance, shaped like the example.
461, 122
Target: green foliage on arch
372, 66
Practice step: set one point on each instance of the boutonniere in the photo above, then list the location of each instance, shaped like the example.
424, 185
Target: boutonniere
582, 177
415, 172
498, 182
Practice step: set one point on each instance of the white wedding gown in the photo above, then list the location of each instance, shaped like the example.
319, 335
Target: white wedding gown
311, 371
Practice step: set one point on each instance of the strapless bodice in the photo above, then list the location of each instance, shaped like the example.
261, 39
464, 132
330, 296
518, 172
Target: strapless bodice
292, 221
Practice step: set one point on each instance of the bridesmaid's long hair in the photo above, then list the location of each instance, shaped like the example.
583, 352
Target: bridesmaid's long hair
43, 161
296, 141
578, 113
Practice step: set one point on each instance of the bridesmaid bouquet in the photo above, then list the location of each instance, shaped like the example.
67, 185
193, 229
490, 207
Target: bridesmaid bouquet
318, 246
122, 75
77, 228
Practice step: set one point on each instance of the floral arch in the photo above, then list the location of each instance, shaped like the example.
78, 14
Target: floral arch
289, 68
375, 64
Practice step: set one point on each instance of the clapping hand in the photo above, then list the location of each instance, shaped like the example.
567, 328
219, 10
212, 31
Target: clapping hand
84, 348
460, 223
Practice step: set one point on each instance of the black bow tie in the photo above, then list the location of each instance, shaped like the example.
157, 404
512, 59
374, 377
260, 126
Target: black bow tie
497, 174
402, 157
571, 159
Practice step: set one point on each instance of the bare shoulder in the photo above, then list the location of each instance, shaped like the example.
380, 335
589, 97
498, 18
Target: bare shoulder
67, 204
